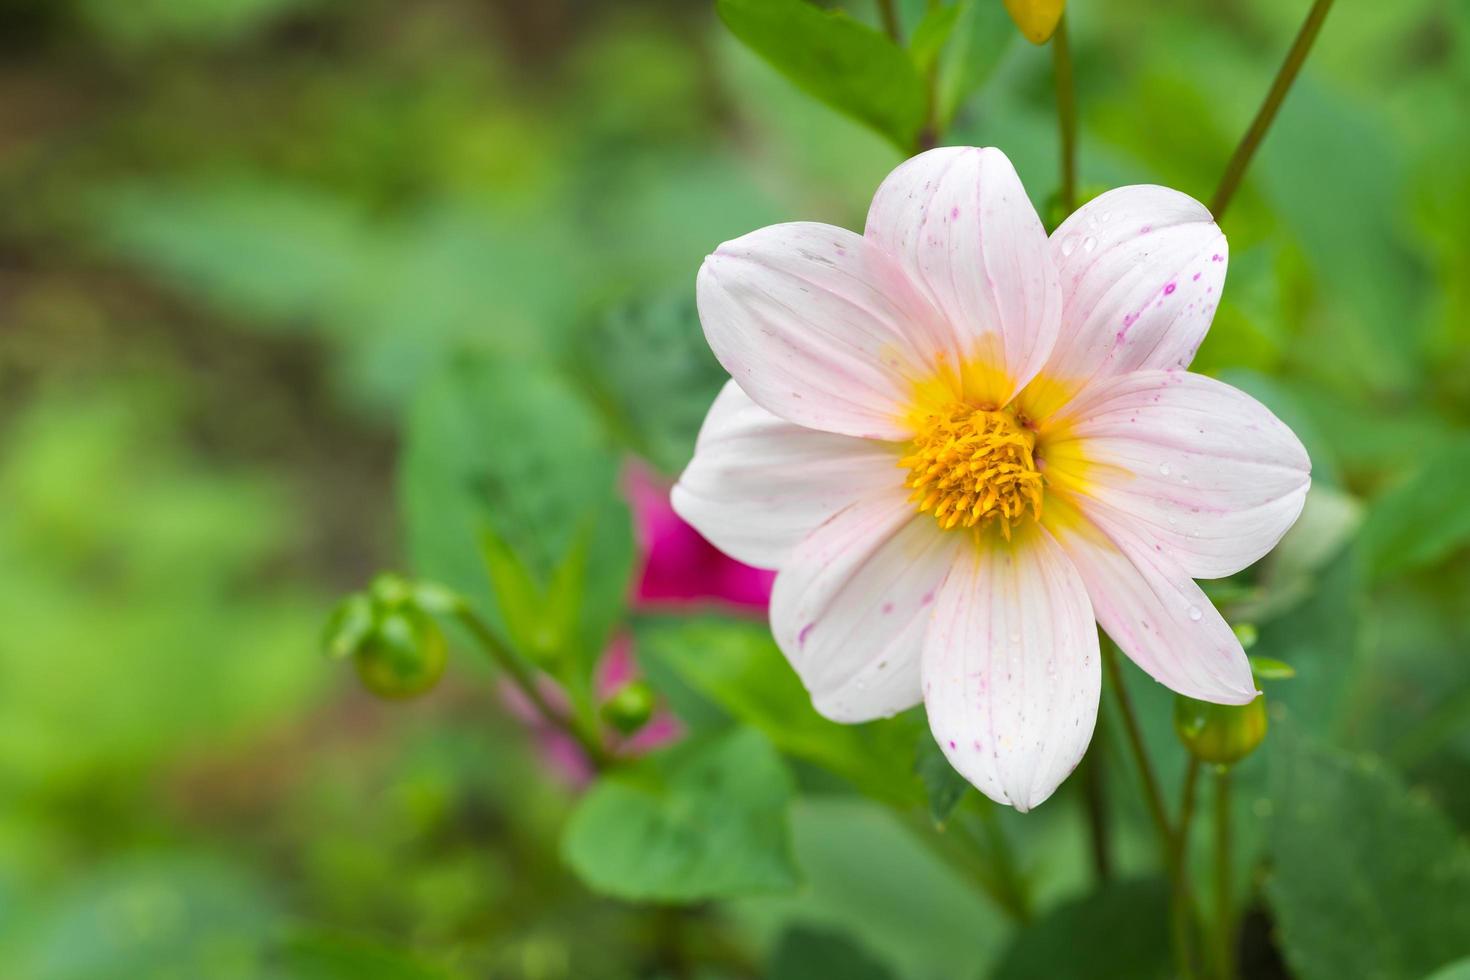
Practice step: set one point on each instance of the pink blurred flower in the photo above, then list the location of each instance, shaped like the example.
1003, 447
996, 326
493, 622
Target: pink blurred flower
678, 569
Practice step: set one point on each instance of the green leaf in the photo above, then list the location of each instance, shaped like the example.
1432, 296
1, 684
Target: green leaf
651, 370
1368, 879
944, 786
1458, 970
1424, 519
738, 666
1116, 933
982, 33
705, 819
848, 65
803, 953
505, 457
324, 956
932, 35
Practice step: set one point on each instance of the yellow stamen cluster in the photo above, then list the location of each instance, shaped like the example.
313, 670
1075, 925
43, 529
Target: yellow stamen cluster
969, 466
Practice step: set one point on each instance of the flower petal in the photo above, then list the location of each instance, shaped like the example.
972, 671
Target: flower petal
1011, 668
1141, 272
1197, 468
820, 327
959, 222
758, 485
851, 608
1152, 609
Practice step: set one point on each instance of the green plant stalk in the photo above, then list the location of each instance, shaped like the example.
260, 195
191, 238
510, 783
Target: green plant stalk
1181, 913
585, 734
1154, 800
1224, 919
888, 12
1061, 51
1295, 58
1094, 795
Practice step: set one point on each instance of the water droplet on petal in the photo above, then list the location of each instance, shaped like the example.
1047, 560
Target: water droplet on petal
1069, 245
1089, 243
1164, 469
1196, 613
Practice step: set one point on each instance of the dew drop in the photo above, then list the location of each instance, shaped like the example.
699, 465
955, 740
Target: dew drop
1089, 243
1069, 244
1164, 469
1195, 613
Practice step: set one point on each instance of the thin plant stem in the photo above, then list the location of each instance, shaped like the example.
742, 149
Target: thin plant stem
1152, 797
888, 12
1061, 51
1180, 905
1094, 794
1224, 919
1154, 800
1235, 170
525, 681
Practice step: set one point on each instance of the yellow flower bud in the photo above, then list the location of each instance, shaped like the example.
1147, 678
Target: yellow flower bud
1037, 19
404, 655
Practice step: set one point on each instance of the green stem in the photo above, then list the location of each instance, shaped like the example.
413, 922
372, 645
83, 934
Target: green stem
1181, 905
1235, 170
1154, 799
585, 735
889, 14
1224, 920
1094, 791
1061, 52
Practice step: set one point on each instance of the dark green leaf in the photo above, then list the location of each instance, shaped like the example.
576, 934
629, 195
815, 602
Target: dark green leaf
652, 371
803, 953
1367, 879
932, 35
1117, 933
944, 786
848, 65
507, 457
1422, 520
738, 666
705, 819
982, 34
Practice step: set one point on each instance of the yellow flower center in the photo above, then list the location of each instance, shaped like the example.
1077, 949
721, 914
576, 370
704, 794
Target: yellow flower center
969, 467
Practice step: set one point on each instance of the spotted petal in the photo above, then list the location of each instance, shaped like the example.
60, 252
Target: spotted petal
851, 607
959, 223
1010, 668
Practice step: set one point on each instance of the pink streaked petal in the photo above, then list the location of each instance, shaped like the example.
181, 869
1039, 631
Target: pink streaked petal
680, 567
1011, 669
1141, 273
820, 327
758, 484
960, 224
1152, 609
1194, 466
851, 608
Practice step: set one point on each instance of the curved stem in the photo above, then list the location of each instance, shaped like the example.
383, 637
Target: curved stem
1181, 906
1224, 920
525, 681
1235, 170
1061, 51
1094, 791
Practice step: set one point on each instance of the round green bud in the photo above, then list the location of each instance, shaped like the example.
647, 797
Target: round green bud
630, 707
348, 625
1222, 734
403, 656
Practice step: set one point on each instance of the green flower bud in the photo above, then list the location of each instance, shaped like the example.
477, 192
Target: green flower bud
403, 656
630, 707
347, 626
1220, 733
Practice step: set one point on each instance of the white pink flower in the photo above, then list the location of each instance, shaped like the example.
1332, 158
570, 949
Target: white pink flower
960, 442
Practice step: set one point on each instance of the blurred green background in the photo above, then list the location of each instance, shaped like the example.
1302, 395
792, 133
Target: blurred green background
238, 236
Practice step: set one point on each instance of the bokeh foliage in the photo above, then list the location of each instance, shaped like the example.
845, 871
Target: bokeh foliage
292, 290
